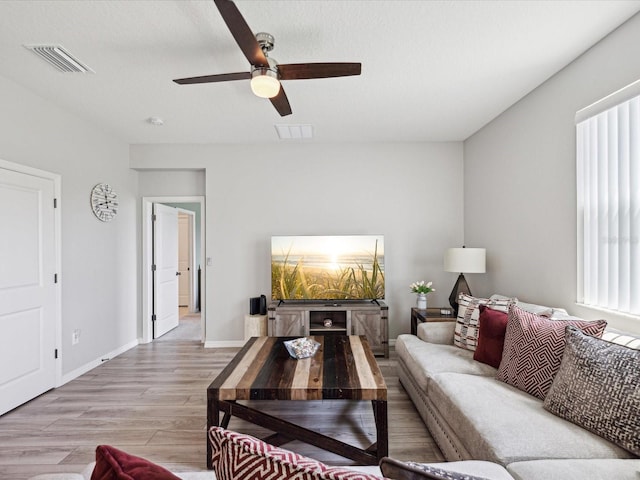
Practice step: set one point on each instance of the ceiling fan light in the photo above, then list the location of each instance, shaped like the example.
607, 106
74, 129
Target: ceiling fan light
264, 83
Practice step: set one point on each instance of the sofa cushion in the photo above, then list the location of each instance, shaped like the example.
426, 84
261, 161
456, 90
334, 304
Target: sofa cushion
437, 332
583, 469
424, 359
492, 328
598, 388
533, 348
499, 423
236, 456
466, 334
114, 464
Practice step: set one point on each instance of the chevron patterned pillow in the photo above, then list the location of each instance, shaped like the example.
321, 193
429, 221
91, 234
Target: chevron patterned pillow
598, 388
533, 348
241, 457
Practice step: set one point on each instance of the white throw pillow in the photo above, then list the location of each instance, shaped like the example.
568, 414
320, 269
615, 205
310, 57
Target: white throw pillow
466, 332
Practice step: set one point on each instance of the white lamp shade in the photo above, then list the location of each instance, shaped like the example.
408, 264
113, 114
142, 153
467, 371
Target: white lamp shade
465, 260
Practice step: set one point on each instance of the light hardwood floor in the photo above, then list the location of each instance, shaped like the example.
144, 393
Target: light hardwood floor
151, 402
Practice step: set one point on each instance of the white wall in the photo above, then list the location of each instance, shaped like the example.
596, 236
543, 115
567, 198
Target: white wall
99, 263
408, 192
180, 183
520, 179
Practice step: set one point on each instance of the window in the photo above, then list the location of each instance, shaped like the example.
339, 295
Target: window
608, 187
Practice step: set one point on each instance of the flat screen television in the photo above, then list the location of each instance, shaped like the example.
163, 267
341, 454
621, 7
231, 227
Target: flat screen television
327, 267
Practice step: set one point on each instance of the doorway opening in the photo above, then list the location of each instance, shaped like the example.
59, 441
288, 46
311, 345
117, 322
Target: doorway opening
184, 296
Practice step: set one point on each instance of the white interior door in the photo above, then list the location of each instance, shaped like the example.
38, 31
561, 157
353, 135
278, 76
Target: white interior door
165, 275
184, 260
27, 288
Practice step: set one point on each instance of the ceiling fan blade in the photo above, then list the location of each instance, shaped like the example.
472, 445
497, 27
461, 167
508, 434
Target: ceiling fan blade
281, 103
243, 35
302, 71
223, 77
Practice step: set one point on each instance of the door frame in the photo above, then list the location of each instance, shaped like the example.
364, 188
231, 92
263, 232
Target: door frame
147, 261
57, 239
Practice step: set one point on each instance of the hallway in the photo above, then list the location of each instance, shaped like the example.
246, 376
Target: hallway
188, 329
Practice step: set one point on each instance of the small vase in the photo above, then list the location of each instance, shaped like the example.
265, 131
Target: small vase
421, 301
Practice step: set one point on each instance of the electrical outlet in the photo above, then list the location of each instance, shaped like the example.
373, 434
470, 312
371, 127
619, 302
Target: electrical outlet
75, 337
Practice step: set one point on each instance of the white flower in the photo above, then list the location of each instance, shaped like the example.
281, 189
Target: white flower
421, 287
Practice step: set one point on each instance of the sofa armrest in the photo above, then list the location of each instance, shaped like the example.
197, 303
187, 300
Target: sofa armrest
84, 475
437, 332
59, 476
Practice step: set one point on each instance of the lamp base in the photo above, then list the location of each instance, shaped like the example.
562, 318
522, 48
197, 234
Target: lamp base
461, 286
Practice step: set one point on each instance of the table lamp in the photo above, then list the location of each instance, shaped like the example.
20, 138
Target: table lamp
463, 260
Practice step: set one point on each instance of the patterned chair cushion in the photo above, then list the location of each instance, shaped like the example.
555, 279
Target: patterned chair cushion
241, 457
598, 388
466, 332
533, 348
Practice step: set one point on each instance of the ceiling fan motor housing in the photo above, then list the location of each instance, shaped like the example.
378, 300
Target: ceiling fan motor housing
271, 70
266, 41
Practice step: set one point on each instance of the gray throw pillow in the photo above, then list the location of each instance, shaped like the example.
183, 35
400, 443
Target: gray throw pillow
598, 388
397, 470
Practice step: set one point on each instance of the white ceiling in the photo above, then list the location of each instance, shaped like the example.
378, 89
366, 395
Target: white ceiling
431, 70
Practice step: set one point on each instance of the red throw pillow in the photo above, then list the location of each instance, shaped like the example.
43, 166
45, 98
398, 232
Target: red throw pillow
533, 348
492, 325
114, 464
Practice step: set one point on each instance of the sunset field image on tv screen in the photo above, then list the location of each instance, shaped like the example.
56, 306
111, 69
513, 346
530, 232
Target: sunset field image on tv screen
316, 267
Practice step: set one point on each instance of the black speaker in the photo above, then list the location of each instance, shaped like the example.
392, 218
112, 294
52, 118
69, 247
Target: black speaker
254, 306
263, 305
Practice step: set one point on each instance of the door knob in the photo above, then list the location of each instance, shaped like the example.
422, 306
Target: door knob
178, 273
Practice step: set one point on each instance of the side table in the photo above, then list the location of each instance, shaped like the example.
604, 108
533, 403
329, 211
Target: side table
419, 315
255, 326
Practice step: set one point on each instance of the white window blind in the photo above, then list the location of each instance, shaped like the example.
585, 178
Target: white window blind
608, 186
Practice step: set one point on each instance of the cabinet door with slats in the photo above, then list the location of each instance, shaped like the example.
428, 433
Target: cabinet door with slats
288, 324
372, 325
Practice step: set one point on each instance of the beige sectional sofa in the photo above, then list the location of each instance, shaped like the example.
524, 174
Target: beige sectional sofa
472, 415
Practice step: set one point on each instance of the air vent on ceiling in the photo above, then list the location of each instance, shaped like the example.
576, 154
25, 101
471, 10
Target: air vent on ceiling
294, 132
57, 56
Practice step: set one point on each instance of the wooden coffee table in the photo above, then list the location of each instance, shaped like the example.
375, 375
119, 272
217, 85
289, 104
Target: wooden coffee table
344, 368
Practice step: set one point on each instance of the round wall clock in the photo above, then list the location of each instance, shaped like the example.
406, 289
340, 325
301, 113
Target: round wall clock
104, 202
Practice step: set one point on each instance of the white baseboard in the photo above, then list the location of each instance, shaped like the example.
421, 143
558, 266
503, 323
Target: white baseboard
94, 363
224, 343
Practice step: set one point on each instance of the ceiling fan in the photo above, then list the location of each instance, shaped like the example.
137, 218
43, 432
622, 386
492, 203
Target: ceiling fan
266, 73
